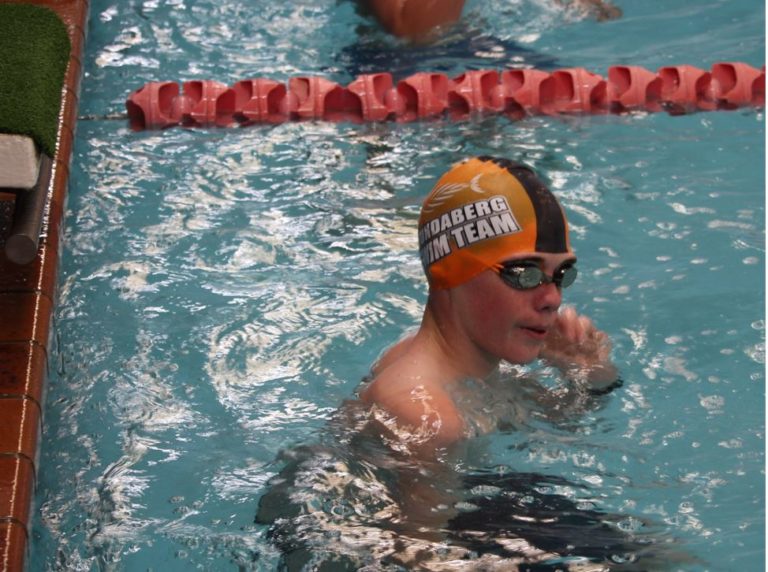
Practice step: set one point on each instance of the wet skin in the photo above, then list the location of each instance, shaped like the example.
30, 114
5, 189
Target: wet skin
503, 323
466, 332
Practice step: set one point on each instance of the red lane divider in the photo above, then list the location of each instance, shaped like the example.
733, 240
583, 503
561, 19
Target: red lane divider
516, 93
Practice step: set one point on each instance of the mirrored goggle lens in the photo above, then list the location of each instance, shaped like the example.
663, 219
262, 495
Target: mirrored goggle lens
567, 276
527, 277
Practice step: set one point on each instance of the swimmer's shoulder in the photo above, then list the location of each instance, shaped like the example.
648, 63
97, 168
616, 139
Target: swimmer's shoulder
392, 354
410, 390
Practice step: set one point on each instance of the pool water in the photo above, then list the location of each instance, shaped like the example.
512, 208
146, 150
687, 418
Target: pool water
223, 292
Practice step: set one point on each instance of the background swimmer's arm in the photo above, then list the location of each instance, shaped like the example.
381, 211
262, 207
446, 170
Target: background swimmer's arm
414, 18
581, 351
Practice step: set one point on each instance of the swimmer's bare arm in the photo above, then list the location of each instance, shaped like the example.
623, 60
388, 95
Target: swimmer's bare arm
580, 350
426, 498
421, 408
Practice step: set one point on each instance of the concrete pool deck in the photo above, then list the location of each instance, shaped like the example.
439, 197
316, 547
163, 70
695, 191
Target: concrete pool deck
27, 301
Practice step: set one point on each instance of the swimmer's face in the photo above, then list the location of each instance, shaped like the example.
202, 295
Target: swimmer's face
510, 323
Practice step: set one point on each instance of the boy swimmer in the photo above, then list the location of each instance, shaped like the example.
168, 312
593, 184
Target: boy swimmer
495, 248
383, 490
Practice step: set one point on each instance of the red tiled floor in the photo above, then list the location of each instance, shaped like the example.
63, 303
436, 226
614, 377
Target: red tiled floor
23, 367
19, 426
13, 546
32, 277
38, 276
25, 316
15, 497
27, 297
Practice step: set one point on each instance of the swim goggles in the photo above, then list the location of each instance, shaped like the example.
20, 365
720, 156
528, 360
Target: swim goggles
526, 275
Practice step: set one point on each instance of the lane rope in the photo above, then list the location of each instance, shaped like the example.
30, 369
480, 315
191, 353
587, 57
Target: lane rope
515, 92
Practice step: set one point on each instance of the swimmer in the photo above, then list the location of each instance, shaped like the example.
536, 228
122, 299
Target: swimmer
495, 248
416, 19
393, 484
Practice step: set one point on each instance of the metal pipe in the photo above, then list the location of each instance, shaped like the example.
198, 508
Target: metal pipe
23, 241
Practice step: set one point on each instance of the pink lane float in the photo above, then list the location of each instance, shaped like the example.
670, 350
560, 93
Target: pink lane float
515, 93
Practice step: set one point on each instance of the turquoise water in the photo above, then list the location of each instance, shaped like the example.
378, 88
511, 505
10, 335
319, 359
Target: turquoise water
222, 292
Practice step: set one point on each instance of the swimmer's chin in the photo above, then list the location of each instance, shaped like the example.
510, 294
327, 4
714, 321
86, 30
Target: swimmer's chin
527, 348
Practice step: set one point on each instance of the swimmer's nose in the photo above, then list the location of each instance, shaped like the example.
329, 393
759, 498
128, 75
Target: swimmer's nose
548, 297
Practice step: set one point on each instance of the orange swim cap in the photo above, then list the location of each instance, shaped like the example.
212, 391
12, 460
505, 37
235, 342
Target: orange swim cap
482, 212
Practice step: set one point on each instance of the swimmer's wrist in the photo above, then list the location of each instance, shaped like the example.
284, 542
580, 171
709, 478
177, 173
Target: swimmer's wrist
606, 389
594, 379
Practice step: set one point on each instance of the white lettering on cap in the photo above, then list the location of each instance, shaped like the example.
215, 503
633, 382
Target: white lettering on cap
468, 224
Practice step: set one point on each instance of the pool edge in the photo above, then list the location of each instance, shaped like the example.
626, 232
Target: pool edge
27, 302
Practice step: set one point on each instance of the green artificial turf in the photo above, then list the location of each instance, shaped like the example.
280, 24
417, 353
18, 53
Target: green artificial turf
34, 51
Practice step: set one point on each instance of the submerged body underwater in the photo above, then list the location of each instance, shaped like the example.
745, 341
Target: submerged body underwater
366, 496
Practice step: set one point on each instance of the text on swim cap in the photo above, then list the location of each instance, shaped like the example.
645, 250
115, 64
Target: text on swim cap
467, 225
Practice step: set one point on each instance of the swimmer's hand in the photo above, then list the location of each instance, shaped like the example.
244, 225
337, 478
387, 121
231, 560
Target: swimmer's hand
599, 9
581, 351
